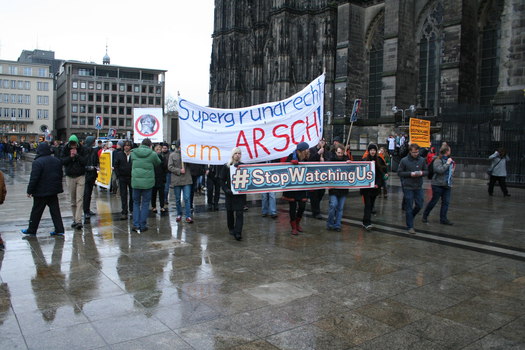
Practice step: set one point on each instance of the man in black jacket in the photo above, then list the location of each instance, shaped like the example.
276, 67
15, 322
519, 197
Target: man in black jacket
44, 186
74, 164
122, 165
92, 165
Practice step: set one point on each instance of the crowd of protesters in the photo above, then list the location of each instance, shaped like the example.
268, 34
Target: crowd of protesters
145, 175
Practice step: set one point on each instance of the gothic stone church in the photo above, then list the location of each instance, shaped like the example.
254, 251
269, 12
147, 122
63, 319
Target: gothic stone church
439, 55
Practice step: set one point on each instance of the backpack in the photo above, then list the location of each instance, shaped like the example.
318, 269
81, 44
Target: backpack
431, 169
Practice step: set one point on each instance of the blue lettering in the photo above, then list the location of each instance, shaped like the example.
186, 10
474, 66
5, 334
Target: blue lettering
296, 104
286, 104
279, 105
258, 113
304, 98
241, 115
228, 118
266, 109
184, 108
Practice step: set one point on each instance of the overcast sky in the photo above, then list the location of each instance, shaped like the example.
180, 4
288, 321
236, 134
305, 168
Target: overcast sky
172, 35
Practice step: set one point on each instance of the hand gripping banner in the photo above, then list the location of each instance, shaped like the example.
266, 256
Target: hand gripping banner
262, 132
272, 177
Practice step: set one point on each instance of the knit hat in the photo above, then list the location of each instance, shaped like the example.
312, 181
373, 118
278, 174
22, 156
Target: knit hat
372, 146
337, 138
73, 138
120, 143
90, 141
302, 146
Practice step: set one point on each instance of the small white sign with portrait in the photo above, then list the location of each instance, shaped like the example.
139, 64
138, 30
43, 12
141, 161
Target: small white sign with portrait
147, 123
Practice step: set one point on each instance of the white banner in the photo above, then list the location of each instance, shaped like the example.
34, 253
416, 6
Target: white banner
147, 123
263, 132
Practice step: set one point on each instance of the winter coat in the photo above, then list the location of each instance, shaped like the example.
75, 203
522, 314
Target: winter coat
143, 167
46, 173
499, 168
73, 166
409, 164
3, 189
122, 165
197, 169
160, 172
175, 166
294, 196
442, 173
381, 170
235, 202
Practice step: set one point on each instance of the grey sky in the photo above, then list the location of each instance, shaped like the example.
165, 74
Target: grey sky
173, 35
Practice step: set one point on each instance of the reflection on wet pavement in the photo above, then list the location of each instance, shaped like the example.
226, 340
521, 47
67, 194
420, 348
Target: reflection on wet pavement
180, 286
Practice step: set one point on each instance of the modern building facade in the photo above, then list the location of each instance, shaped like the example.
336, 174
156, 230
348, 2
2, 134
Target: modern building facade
86, 90
26, 100
461, 63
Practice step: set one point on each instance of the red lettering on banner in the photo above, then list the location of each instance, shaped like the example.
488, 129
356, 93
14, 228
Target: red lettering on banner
256, 141
308, 126
285, 136
245, 143
293, 134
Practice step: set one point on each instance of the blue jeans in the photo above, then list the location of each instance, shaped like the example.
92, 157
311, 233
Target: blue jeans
141, 200
413, 204
167, 187
186, 191
268, 204
335, 211
438, 192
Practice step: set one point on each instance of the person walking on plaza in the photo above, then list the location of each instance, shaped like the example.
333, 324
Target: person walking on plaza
160, 179
122, 165
443, 167
297, 199
3, 193
213, 186
181, 183
92, 165
167, 182
411, 170
234, 202
337, 196
45, 183
316, 154
370, 194
144, 160
498, 171
75, 168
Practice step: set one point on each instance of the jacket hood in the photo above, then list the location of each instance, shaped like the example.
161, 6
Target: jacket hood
142, 151
90, 141
43, 149
73, 138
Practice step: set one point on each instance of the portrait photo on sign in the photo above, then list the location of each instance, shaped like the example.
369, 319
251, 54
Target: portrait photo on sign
147, 125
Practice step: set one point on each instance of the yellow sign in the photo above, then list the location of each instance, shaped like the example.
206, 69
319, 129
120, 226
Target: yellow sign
420, 132
104, 175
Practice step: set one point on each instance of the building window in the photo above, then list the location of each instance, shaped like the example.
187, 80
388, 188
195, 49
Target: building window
113, 121
42, 86
99, 98
98, 109
429, 61
90, 121
99, 86
74, 108
128, 122
20, 113
75, 85
136, 88
42, 72
129, 88
106, 86
113, 87
13, 70
157, 91
27, 99
82, 84
121, 122
90, 97
27, 113
74, 96
28, 71
113, 110
82, 120
151, 89
91, 86
20, 85
128, 110
157, 101
27, 85
82, 109
82, 96
74, 120
20, 99
106, 98
6, 84
86, 72
13, 84
121, 99
150, 100
113, 98
128, 99
122, 87
106, 110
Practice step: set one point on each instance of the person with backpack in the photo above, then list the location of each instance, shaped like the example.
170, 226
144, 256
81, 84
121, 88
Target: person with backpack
498, 171
442, 168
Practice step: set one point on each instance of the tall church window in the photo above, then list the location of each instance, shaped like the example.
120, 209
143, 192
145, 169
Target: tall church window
429, 60
375, 85
490, 54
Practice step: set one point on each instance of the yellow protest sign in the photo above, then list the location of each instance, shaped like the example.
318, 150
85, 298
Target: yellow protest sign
420, 132
104, 175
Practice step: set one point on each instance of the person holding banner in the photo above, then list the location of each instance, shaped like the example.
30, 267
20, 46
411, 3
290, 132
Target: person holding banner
181, 183
370, 194
316, 196
234, 203
337, 196
297, 199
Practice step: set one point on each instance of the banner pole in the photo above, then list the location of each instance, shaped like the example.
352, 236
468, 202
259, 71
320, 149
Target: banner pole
349, 132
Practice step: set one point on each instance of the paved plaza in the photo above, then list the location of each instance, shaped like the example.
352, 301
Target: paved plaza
192, 286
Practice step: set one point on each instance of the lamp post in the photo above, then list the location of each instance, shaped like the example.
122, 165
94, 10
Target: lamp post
412, 109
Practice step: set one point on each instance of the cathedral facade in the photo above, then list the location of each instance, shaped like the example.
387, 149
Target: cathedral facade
438, 55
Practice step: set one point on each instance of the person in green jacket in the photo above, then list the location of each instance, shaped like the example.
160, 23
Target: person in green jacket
144, 160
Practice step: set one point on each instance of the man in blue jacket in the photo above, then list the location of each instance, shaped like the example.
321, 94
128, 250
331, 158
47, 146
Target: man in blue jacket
45, 183
411, 170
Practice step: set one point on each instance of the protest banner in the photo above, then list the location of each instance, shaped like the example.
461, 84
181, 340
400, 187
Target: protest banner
147, 123
272, 177
419, 131
262, 132
104, 174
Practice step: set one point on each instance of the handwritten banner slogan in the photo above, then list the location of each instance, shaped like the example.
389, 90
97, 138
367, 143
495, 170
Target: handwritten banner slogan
262, 132
272, 177
419, 130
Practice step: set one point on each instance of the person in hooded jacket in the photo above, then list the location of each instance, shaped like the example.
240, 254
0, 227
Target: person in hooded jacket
92, 165
297, 199
144, 160
74, 164
370, 194
122, 165
45, 183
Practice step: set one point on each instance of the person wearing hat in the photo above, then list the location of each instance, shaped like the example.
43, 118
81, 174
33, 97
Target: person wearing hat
370, 194
92, 165
335, 142
74, 164
317, 154
297, 199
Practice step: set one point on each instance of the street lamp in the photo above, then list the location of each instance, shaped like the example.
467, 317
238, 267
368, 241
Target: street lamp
412, 109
